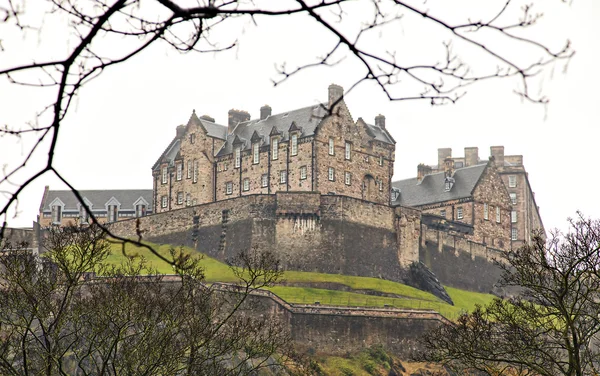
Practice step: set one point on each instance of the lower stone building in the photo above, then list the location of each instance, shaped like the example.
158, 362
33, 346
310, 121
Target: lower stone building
61, 207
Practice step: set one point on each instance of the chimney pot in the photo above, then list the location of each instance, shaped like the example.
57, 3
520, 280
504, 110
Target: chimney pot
336, 93
265, 112
422, 171
380, 121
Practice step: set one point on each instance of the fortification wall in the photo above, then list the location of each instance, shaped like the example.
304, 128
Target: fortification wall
458, 262
306, 230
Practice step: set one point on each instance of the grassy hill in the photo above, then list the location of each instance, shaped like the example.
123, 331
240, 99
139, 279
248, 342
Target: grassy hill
359, 291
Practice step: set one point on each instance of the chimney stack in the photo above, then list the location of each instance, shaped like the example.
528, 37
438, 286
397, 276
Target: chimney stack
208, 118
336, 92
234, 117
471, 156
498, 153
443, 153
448, 167
180, 131
265, 112
380, 121
422, 171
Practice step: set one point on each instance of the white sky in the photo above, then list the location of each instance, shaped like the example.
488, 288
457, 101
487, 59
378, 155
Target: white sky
124, 119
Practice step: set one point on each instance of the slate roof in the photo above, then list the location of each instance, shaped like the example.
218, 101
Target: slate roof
307, 119
98, 198
380, 134
432, 188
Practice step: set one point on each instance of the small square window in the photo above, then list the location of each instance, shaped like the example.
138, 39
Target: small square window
348, 178
302, 172
514, 234
513, 198
512, 181
229, 187
282, 177
264, 180
459, 213
331, 174
443, 213
246, 185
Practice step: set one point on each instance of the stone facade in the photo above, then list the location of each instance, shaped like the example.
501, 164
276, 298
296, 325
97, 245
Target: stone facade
318, 148
525, 215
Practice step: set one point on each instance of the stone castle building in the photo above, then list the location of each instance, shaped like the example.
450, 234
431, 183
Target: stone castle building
524, 213
308, 149
314, 186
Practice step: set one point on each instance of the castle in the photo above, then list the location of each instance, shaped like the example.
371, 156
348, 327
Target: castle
315, 187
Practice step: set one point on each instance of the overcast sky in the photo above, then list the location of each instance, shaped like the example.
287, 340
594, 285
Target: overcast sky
123, 120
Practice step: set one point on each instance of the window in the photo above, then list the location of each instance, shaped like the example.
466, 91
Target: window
283, 176
331, 147
447, 185
295, 144
348, 150
112, 213
238, 157
302, 172
513, 198
459, 213
140, 210
513, 216
264, 180
83, 215
179, 171
246, 185
164, 175
381, 160
275, 145
194, 202
163, 201
514, 234
255, 155
347, 178
331, 174
56, 214
189, 170
228, 187
179, 198
512, 181
485, 212
188, 199
498, 214
458, 164
192, 138
380, 183
195, 180
443, 213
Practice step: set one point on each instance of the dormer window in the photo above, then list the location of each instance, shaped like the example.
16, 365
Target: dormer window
56, 214
140, 210
83, 215
275, 146
255, 153
448, 183
238, 157
112, 213
294, 144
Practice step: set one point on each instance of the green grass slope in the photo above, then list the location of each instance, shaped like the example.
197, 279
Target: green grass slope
407, 297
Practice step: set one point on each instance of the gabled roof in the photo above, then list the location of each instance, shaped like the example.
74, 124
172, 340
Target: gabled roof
307, 119
212, 129
432, 188
97, 198
378, 133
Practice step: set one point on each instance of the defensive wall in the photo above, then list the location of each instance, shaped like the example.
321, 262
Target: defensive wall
329, 234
